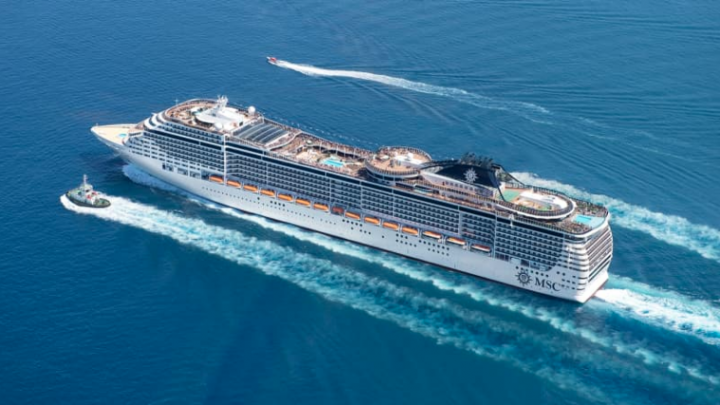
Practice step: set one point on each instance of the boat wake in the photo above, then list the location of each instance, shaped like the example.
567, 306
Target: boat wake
664, 309
529, 111
670, 229
458, 284
439, 319
435, 318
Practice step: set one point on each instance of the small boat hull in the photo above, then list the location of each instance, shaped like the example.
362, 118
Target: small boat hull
102, 202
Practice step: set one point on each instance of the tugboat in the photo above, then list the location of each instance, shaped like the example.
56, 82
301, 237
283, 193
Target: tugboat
85, 196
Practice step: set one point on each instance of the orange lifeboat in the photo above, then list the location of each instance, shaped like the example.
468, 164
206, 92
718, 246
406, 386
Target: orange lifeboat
302, 201
216, 179
250, 187
456, 241
321, 207
352, 215
390, 225
233, 183
337, 210
481, 248
431, 234
410, 230
372, 220
269, 193
285, 197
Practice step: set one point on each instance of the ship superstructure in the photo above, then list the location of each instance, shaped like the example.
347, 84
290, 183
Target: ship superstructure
466, 214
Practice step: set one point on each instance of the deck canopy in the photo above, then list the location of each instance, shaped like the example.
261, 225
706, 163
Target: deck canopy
261, 132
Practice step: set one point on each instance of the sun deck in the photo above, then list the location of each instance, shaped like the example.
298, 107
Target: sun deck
404, 165
324, 154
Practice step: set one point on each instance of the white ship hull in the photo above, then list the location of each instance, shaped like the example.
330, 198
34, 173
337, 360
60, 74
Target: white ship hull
446, 255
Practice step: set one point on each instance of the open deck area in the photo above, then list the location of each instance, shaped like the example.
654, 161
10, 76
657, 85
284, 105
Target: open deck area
401, 166
398, 160
324, 154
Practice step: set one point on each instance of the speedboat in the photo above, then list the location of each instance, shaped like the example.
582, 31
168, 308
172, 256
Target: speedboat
272, 60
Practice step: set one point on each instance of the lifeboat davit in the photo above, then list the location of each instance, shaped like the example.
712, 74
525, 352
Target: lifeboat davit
302, 201
321, 207
481, 248
456, 241
410, 230
216, 179
272, 60
250, 187
352, 215
372, 220
233, 183
391, 225
431, 234
338, 210
269, 193
285, 197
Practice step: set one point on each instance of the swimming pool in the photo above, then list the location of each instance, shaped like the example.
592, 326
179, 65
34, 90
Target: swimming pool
333, 162
592, 222
583, 219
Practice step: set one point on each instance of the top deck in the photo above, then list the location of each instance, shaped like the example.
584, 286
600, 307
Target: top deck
404, 166
245, 126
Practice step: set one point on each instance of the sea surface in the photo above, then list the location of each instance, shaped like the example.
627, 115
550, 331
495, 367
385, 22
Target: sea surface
169, 299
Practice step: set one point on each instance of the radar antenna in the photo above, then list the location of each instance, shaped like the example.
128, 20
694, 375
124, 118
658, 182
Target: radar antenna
221, 103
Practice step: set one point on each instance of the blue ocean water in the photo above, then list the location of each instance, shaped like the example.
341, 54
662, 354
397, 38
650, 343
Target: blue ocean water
170, 299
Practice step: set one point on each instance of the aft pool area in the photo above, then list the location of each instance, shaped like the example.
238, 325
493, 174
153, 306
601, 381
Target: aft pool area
592, 222
331, 161
511, 194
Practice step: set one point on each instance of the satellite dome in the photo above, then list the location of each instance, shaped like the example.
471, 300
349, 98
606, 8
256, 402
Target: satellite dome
251, 110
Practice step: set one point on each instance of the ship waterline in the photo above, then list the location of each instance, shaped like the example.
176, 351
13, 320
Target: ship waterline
467, 215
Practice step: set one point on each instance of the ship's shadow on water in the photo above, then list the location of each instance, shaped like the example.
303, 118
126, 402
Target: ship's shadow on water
557, 341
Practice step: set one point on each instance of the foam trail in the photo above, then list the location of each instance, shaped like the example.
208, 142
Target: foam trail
671, 229
438, 279
438, 319
664, 309
526, 110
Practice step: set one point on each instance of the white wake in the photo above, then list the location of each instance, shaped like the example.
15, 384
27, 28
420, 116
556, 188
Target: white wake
438, 319
664, 309
442, 281
530, 111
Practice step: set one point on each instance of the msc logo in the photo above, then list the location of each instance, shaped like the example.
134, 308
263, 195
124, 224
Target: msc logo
546, 284
523, 277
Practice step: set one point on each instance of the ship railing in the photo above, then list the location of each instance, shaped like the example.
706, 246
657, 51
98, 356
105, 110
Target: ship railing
540, 213
314, 163
481, 203
586, 207
480, 199
395, 173
403, 149
566, 227
329, 147
505, 209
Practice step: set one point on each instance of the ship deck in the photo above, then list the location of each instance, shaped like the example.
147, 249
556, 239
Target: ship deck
292, 144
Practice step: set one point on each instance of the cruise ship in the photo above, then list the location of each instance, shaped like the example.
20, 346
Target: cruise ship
467, 214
